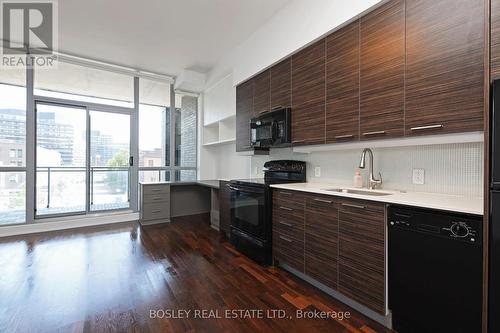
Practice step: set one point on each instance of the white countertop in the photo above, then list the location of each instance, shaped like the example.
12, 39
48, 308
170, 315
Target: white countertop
454, 203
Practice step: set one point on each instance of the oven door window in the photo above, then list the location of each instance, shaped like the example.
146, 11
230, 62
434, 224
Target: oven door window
248, 211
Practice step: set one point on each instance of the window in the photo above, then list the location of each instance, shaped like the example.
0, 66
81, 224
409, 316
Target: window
85, 84
12, 145
154, 131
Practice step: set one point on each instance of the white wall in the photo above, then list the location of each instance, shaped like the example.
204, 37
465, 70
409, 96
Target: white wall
298, 24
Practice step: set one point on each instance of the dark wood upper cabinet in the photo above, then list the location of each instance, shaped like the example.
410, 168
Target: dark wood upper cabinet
308, 95
244, 112
362, 252
444, 66
342, 84
321, 239
262, 92
495, 39
382, 71
281, 84
224, 207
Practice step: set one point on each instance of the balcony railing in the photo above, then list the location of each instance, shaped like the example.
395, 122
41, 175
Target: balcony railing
64, 190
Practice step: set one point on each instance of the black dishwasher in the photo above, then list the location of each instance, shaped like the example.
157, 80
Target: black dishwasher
435, 270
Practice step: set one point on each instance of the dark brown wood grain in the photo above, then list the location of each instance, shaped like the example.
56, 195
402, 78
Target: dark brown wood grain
281, 84
495, 39
308, 95
224, 207
262, 93
108, 278
362, 252
321, 240
244, 112
382, 70
444, 66
342, 84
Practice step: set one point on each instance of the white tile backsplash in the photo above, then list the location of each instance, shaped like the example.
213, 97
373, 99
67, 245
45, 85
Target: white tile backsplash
449, 169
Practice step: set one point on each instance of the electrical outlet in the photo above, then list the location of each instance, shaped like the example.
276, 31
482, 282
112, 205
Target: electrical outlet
418, 176
317, 171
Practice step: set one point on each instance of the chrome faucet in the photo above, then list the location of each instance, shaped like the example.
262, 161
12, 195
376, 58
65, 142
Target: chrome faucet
372, 182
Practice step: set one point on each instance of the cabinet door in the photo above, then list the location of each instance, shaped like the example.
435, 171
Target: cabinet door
308, 95
244, 112
281, 84
495, 39
321, 239
382, 69
224, 207
444, 66
342, 85
262, 93
361, 253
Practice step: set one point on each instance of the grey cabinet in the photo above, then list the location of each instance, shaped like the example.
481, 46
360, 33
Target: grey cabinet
154, 203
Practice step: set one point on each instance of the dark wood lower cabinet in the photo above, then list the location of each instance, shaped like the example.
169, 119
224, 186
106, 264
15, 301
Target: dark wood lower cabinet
288, 229
321, 240
224, 207
362, 252
337, 242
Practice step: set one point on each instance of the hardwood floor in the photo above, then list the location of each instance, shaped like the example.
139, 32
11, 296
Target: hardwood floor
108, 279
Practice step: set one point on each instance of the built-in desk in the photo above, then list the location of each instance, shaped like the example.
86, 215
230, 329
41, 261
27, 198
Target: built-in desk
161, 201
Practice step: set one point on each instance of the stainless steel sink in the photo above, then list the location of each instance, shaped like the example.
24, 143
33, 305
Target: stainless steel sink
361, 192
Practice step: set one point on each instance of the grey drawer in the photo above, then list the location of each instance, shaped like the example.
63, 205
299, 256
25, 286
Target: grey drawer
155, 211
155, 198
155, 189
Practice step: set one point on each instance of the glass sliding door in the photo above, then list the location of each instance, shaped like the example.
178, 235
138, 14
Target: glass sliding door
109, 160
61, 159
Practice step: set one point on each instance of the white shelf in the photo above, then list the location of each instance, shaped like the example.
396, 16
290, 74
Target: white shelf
218, 143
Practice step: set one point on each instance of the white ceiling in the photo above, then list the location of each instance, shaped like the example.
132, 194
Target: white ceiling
162, 36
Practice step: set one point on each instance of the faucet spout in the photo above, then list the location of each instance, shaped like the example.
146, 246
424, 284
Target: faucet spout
372, 182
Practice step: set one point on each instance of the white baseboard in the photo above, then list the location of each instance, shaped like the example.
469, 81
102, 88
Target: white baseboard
67, 223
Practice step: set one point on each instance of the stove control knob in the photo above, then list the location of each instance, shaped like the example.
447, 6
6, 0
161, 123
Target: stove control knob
459, 229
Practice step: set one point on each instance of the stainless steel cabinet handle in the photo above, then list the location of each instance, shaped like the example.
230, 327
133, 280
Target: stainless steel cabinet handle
156, 211
263, 111
285, 193
421, 128
285, 208
156, 199
323, 200
344, 136
285, 223
286, 239
353, 206
156, 190
298, 141
374, 133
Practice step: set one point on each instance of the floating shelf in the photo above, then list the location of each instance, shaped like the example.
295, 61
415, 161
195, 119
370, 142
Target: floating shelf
219, 143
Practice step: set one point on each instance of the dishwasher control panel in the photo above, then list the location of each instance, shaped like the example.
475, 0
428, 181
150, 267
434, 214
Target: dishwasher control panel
450, 225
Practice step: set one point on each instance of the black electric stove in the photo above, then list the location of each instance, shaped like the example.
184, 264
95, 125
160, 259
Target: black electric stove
251, 208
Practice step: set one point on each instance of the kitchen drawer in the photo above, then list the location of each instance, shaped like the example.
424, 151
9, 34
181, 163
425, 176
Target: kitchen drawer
156, 189
289, 251
286, 211
289, 228
289, 197
322, 204
155, 211
156, 198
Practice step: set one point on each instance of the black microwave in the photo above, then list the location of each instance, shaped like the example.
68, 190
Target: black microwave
271, 129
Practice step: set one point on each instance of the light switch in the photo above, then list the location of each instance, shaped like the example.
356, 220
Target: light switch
418, 176
317, 171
